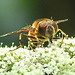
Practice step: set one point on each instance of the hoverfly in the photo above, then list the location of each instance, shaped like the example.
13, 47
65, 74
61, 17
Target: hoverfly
40, 31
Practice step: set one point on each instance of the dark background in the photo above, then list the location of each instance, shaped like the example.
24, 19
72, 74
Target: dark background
15, 14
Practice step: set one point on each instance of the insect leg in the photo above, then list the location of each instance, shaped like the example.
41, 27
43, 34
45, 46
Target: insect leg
34, 44
26, 35
16, 48
20, 39
50, 40
29, 43
59, 38
63, 33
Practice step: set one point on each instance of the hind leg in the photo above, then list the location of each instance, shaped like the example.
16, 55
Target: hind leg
20, 40
26, 35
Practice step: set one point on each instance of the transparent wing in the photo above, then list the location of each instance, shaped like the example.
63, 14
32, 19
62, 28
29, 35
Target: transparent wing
24, 29
59, 21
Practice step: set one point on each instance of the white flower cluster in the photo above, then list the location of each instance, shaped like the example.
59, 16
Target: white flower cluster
51, 60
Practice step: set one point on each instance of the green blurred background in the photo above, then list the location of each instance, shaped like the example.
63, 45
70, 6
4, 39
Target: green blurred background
15, 14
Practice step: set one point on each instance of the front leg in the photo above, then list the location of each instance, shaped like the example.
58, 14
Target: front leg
59, 38
62, 33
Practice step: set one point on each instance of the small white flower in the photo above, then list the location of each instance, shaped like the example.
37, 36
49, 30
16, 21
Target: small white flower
72, 49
